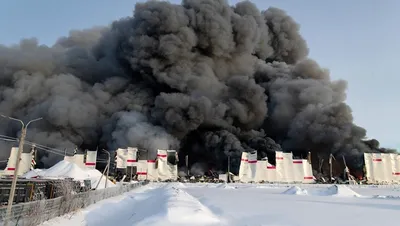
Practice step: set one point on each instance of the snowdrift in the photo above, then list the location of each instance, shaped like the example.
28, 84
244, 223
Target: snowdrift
389, 197
180, 208
334, 190
226, 186
34, 173
176, 185
166, 204
67, 169
295, 191
339, 191
180, 214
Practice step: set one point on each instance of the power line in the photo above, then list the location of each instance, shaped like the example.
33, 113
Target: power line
4, 139
9, 137
39, 146
43, 148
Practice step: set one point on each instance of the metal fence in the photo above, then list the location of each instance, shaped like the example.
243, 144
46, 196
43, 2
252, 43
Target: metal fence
37, 212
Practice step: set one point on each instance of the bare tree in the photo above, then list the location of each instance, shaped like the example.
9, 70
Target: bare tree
69, 201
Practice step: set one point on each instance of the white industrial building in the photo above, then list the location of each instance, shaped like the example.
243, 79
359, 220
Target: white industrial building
287, 169
154, 170
24, 166
382, 168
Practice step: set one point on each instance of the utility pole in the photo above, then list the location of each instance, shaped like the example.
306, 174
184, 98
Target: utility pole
331, 157
108, 166
131, 173
18, 160
229, 168
187, 165
34, 156
147, 172
105, 171
346, 169
98, 182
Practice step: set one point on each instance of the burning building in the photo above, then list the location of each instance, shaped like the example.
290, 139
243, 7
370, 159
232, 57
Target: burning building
203, 77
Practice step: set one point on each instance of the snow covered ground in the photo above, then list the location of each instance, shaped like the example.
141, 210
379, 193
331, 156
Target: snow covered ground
167, 204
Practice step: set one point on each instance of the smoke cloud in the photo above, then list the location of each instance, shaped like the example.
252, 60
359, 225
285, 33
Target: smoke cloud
208, 79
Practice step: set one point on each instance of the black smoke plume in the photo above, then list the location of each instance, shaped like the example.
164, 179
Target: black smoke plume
202, 77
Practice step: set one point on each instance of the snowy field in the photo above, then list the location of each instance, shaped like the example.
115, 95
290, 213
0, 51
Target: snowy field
167, 204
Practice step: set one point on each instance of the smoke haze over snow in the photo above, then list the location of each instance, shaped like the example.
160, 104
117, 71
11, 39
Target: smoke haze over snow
202, 77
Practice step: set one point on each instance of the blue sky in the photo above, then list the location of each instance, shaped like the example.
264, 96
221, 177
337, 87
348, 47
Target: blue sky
357, 40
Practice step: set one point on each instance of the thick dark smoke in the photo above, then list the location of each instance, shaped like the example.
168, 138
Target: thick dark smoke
203, 77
